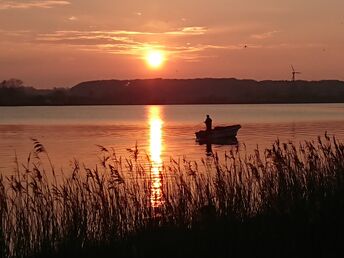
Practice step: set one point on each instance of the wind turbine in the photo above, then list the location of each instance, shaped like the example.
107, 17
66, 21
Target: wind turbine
294, 73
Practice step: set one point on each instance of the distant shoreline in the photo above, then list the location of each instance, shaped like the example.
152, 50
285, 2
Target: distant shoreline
185, 104
176, 92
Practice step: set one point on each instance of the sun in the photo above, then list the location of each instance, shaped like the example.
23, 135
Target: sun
155, 58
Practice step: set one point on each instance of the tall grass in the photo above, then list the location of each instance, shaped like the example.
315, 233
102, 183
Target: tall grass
241, 197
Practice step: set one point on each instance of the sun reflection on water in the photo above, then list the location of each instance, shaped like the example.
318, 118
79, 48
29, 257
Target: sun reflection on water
156, 146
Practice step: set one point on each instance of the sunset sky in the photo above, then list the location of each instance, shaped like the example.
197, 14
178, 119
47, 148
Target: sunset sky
60, 43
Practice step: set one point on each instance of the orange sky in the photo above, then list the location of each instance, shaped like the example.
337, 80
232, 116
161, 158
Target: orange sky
60, 43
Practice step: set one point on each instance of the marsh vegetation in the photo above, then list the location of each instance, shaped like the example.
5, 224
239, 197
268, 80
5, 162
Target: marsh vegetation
284, 201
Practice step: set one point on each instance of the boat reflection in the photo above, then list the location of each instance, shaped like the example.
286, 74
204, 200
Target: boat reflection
209, 144
156, 146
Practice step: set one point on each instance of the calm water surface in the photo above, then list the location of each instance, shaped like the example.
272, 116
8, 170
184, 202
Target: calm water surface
160, 131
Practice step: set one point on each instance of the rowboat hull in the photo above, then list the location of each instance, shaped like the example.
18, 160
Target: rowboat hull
220, 134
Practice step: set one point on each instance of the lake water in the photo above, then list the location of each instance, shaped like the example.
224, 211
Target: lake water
160, 131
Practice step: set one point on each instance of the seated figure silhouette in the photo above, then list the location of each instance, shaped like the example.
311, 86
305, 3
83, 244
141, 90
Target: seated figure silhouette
208, 123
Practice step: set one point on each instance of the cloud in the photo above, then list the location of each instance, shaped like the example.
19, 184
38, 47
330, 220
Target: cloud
91, 37
184, 42
14, 32
72, 18
138, 50
5, 5
62, 35
188, 31
128, 42
14, 36
264, 35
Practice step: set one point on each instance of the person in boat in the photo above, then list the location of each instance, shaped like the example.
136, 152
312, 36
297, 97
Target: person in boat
208, 123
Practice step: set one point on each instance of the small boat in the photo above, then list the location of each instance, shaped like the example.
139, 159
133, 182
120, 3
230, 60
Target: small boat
218, 134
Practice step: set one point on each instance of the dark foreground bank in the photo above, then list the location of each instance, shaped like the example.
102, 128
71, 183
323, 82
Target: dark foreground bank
286, 201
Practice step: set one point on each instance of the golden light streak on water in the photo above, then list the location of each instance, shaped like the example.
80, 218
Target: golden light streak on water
156, 146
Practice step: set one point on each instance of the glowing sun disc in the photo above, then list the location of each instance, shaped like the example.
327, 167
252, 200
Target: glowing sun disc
155, 58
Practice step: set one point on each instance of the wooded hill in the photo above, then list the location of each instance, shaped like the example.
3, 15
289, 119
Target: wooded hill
178, 91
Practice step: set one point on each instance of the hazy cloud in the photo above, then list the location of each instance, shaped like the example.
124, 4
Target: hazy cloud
72, 18
124, 42
264, 35
12, 36
135, 43
113, 34
189, 31
5, 5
